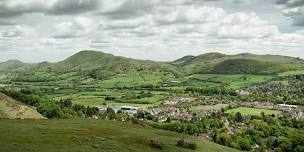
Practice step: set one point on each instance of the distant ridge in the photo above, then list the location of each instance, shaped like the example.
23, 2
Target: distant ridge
94, 63
244, 63
13, 66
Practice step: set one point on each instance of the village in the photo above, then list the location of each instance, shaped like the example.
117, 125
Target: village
173, 108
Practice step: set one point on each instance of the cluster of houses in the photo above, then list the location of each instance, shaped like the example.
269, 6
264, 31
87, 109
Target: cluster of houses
175, 101
295, 110
126, 109
171, 109
163, 112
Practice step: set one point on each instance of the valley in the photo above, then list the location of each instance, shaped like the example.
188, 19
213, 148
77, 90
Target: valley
245, 101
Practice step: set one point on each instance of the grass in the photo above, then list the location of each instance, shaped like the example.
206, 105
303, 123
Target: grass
95, 98
90, 136
253, 111
234, 81
209, 107
12, 109
288, 73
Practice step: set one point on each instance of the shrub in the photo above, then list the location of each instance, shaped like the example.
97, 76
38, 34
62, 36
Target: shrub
155, 144
184, 144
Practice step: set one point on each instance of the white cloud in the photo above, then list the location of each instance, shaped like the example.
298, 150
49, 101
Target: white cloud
146, 29
293, 9
79, 27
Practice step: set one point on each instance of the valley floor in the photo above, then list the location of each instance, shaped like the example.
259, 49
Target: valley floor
90, 135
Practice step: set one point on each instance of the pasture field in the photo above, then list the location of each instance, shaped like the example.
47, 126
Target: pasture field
288, 73
209, 107
80, 135
253, 111
233, 81
96, 98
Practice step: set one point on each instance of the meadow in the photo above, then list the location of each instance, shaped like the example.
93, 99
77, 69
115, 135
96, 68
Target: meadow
234, 81
253, 111
90, 136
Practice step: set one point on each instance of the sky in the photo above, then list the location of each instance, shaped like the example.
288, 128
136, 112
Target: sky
160, 30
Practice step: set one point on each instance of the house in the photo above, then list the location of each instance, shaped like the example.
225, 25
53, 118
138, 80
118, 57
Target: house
128, 109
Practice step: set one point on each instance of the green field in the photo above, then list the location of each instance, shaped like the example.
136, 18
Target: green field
209, 107
288, 73
233, 81
89, 136
252, 111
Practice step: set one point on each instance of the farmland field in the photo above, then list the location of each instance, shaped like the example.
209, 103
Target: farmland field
234, 81
90, 135
209, 107
253, 111
291, 73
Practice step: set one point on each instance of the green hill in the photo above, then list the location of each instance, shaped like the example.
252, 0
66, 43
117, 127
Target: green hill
91, 136
13, 66
238, 64
12, 109
99, 64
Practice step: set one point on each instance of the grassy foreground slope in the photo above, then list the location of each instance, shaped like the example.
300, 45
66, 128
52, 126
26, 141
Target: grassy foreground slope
12, 109
90, 136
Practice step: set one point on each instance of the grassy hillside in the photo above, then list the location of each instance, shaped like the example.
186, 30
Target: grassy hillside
234, 81
249, 66
90, 136
96, 65
89, 60
238, 64
13, 66
12, 109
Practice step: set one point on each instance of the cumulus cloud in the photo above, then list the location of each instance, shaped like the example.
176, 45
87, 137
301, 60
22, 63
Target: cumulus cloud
79, 27
12, 8
145, 29
293, 9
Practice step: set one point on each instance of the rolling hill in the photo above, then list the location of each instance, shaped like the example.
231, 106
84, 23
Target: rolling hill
109, 62
12, 109
98, 64
245, 63
13, 66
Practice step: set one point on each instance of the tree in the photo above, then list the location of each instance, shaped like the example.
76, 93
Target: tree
110, 113
168, 120
243, 143
238, 117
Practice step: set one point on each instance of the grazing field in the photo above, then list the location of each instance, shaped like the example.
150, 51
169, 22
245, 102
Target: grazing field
233, 81
253, 111
288, 73
209, 107
90, 136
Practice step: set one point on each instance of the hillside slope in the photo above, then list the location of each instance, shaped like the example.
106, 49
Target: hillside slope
13, 66
92, 136
109, 62
12, 109
245, 63
98, 64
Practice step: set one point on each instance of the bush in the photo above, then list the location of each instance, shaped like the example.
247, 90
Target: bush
109, 98
184, 144
155, 144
